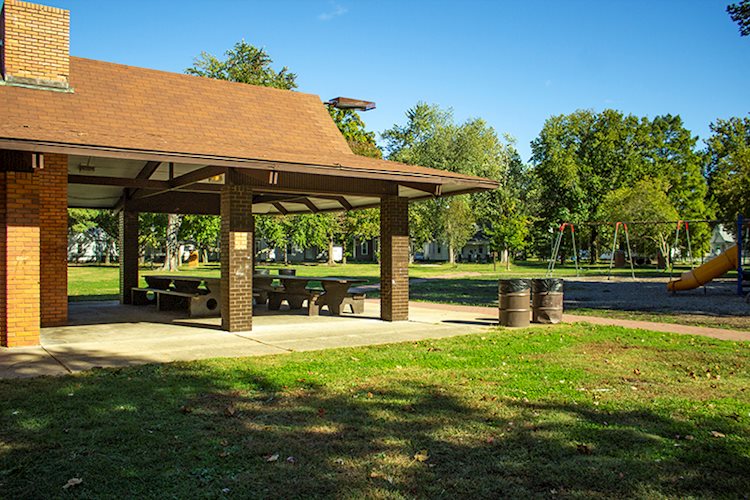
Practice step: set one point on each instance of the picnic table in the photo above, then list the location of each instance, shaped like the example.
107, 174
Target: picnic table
295, 291
175, 292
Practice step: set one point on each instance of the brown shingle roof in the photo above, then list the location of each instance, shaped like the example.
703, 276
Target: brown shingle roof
117, 106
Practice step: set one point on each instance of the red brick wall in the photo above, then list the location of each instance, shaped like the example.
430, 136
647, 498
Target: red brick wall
394, 258
237, 250
53, 221
36, 44
19, 259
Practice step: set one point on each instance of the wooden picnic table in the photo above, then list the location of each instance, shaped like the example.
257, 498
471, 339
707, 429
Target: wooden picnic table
176, 291
335, 293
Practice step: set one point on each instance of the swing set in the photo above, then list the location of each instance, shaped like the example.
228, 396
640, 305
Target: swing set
681, 225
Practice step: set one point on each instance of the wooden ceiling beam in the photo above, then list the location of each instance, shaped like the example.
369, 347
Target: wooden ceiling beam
429, 188
280, 208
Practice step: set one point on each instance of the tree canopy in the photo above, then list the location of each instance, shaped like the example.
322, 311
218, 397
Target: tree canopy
729, 166
244, 63
740, 14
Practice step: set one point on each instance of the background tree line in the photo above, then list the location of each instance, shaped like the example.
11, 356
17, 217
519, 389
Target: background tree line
585, 167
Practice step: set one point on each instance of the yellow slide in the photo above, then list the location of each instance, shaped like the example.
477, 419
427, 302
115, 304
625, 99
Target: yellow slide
722, 263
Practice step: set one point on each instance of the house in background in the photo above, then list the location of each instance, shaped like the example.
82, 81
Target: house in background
366, 250
477, 249
94, 245
721, 239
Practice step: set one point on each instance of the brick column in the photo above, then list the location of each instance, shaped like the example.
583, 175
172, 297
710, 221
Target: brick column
128, 248
394, 258
53, 221
19, 259
237, 250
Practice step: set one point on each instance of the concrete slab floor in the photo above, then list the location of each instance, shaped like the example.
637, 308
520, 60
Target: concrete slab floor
106, 334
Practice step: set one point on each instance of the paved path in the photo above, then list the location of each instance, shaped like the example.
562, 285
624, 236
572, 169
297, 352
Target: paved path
106, 334
717, 333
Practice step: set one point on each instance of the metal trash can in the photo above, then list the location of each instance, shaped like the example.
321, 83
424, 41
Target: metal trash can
514, 302
547, 300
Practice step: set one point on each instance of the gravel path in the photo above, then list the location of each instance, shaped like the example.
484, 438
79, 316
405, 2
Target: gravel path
650, 295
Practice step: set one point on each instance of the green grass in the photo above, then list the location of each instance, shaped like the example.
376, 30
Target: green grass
101, 282
572, 411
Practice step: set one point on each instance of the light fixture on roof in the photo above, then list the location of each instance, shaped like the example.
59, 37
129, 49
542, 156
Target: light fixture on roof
349, 103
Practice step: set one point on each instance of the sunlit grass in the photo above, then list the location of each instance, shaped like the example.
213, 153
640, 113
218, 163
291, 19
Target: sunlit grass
570, 410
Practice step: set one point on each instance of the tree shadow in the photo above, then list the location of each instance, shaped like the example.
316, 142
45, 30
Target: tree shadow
188, 429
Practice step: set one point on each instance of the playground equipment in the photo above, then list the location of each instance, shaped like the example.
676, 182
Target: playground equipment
730, 259
556, 249
614, 247
721, 264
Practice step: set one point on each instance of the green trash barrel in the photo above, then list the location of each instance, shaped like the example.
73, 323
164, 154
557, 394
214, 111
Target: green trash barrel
514, 302
547, 300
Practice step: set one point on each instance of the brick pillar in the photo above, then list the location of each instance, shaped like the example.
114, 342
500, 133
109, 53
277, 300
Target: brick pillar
394, 258
19, 259
128, 248
237, 250
53, 220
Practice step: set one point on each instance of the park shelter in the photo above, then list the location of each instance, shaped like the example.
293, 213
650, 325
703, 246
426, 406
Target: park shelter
91, 134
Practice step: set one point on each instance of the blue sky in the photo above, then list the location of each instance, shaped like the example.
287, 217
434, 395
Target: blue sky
513, 63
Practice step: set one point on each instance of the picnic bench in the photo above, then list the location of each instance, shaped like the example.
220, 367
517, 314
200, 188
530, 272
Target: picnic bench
334, 295
263, 282
180, 292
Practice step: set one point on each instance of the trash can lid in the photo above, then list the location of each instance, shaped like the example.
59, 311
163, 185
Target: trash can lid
547, 285
514, 285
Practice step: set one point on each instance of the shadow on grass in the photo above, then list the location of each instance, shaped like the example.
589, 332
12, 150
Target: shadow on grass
176, 431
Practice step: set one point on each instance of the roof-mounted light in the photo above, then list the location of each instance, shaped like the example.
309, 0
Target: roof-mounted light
349, 103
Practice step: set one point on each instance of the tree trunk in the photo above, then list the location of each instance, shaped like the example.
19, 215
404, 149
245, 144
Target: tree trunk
451, 255
330, 252
171, 259
494, 261
593, 247
286, 255
507, 260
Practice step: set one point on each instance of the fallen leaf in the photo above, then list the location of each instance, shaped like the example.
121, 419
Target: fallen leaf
273, 458
229, 411
186, 409
73, 481
718, 434
369, 395
321, 412
421, 456
637, 371
291, 460
490, 440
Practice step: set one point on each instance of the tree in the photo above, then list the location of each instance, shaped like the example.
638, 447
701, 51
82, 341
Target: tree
458, 225
431, 138
740, 14
360, 140
728, 151
646, 200
358, 225
203, 230
580, 158
244, 63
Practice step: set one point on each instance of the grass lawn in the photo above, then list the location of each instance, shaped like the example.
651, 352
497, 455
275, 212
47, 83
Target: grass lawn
571, 411
101, 282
